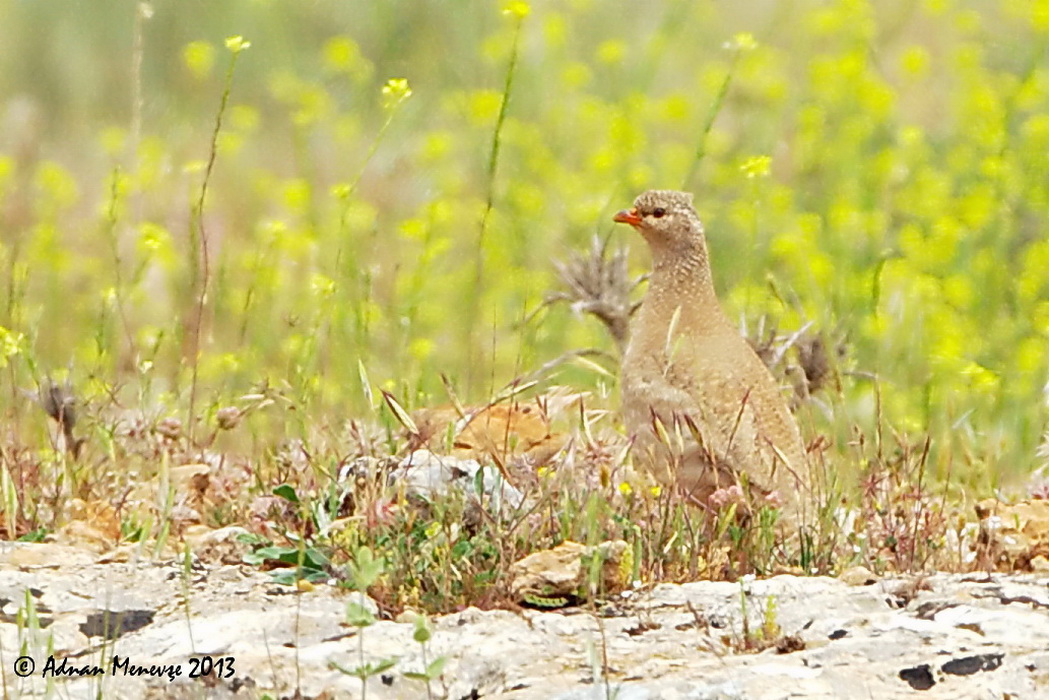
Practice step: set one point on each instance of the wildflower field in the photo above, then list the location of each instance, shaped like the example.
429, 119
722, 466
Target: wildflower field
258, 236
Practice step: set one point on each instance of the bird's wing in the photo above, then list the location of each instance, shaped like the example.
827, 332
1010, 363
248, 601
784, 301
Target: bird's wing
742, 398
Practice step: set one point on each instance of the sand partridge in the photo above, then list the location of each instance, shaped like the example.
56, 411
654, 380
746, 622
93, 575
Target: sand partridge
702, 408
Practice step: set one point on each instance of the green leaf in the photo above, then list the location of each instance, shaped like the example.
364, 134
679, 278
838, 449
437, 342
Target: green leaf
310, 564
385, 665
365, 671
365, 570
285, 577
36, 535
432, 672
312, 558
252, 539
400, 414
365, 383
261, 554
358, 616
436, 667
422, 632
287, 492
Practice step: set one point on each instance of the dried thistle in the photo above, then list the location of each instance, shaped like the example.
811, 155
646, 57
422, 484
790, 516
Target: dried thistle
817, 357
228, 417
59, 403
598, 283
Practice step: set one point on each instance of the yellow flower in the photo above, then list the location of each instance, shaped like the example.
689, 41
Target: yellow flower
756, 166
1040, 15
980, 378
153, 236
517, 8
236, 44
198, 56
321, 285
744, 41
341, 53
611, 51
625, 488
915, 61
421, 348
10, 345
395, 91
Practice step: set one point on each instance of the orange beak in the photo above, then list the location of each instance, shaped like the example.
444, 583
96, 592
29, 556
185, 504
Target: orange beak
628, 217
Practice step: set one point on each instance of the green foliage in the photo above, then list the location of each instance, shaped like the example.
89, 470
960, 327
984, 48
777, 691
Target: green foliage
432, 670
366, 671
366, 569
882, 181
303, 559
309, 563
364, 572
371, 204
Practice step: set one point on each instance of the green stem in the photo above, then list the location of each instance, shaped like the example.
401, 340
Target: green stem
114, 245
715, 109
493, 163
199, 238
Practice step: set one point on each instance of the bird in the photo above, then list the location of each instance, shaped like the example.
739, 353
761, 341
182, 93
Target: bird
703, 410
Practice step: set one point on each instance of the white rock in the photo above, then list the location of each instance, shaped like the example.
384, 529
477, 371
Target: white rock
426, 474
282, 641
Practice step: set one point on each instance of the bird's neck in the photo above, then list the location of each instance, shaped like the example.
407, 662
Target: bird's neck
680, 297
680, 303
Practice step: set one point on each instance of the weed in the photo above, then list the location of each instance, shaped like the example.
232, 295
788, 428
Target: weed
365, 570
874, 201
432, 670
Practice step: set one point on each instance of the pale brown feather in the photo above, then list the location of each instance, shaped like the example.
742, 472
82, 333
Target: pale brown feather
687, 368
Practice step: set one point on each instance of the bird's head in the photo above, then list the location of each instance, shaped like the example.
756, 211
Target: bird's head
666, 219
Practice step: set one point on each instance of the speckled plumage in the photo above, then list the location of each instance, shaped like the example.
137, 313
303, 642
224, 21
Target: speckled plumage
702, 407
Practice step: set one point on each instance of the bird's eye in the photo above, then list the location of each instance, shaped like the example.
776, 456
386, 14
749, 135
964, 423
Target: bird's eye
659, 212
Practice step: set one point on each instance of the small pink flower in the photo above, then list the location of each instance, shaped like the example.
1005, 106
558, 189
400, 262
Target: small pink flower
1040, 489
380, 512
774, 499
723, 497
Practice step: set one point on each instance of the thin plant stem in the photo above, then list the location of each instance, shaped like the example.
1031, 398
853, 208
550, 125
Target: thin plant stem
143, 12
198, 234
362, 279
352, 187
493, 164
712, 115
114, 242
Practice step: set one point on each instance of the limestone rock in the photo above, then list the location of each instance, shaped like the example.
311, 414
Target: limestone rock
563, 572
426, 474
952, 637
1016, 536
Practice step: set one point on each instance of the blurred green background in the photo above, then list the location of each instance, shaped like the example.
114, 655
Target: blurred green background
880, 169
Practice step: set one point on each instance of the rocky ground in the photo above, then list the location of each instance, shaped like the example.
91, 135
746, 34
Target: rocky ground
941, 636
